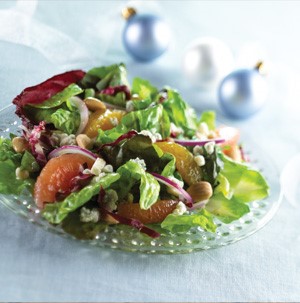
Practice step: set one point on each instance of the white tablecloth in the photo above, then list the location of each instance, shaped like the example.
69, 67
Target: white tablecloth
36, 265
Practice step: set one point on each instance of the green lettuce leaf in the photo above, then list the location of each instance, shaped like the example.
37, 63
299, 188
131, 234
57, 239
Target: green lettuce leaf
102, 77
154, 119
144, 89
139, 146
226, 210
180, 113
246, 184
9, 162
58, 110
65, 120
183, 223
119, 99
132, 173
8, 182
29, 163
209, 117
56, 212
7, 152
59, 98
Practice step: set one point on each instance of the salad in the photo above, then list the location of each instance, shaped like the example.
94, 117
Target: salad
96, 151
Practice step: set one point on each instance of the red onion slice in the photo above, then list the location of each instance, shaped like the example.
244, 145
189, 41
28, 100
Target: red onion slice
168, 182
83, 111
198, 142
72, 149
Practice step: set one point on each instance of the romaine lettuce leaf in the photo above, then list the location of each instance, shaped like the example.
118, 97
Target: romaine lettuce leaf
132, 173
56, 212
183, 223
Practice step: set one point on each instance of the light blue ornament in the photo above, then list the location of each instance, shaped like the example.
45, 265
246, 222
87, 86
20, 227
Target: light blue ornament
243, 92
146, 36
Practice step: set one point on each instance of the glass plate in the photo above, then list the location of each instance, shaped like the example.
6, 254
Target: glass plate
129, 239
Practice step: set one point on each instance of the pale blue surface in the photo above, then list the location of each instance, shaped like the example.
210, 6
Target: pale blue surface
38, 266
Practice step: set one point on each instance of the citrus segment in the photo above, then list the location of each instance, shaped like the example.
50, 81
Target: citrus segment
155, 214
107, 120
56, 177
185, 163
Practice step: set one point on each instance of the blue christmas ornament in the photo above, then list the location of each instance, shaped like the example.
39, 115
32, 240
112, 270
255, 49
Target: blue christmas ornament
243, 92
145, 36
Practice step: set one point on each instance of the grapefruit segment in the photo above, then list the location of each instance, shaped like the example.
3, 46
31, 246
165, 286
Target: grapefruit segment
56, 177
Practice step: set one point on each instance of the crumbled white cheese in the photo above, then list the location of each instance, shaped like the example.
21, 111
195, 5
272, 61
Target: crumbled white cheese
200, 160
210, 147
141, 162
180, 209
175, 129
61, 139
198, 150
154, 137
108, 169
110, 199
129, 106
89, 215
98, 166
203, 129
114, 121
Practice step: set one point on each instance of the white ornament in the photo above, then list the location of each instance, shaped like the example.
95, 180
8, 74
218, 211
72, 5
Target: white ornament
206, 61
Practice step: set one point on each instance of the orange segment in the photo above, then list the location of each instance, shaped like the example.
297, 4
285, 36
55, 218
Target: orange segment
185, 164
56, 177
155, 214
107, 120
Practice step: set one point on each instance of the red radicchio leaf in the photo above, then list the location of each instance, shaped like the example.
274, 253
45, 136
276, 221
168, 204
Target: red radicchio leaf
113, 90
128, 135
45, 90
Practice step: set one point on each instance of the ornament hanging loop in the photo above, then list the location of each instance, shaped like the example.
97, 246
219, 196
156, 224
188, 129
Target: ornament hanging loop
128, 12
